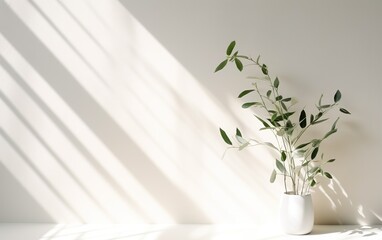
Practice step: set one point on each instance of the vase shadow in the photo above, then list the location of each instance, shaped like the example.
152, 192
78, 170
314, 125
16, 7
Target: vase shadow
355, 230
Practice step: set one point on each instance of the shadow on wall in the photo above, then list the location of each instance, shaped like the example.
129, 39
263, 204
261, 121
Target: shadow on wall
333, 203
102, 131
340, 208
340, 200
347, 230
171, 198
80, 145
17, 195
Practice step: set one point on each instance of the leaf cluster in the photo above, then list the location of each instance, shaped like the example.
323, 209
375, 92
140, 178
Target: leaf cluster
298, 162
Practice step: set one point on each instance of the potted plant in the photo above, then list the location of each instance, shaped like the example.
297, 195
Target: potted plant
298, 161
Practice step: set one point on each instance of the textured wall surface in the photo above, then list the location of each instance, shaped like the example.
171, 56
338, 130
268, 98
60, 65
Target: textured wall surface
110, 109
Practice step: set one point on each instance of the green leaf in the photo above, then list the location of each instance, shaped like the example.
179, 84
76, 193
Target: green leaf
225, 137
264, 69
328, 175
284, 116
250, 104
238, 133
331, 160
335, 123
276, 83
314, 153
283, 156
280, 166
313, 183
269, 93
239, 64
284, 106
230, 47
286, 99
266, 128
273, 176
319, 101
280, 132
258, 58
289, 131
300, 153
289, 127
263, 122
325, 106
319, 115
313, 170
337, 96
289, 124
276, 124
274, 115
258, 78
243, 146
311, 118
245, 92
305, 163
330, 133
221, 65
302, 119
245, 57
319, 121
278, 98
277, 118
240, 139
315, 142
302, 145
234, 56
343, 110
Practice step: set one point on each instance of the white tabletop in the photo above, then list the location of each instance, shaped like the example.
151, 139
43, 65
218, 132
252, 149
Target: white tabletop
177, 232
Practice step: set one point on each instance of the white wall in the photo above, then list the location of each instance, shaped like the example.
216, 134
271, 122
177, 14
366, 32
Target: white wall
110, 110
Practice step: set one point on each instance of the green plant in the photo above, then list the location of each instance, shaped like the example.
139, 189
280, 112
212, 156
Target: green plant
297, 162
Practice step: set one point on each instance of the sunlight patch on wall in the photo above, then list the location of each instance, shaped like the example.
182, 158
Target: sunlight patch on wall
67, 154
53, 156
150, 95
44, 195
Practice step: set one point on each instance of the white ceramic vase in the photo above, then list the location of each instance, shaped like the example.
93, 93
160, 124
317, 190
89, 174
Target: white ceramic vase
296, 214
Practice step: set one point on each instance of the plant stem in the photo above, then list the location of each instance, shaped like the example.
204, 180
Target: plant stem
278, 143
286, 142
310, 124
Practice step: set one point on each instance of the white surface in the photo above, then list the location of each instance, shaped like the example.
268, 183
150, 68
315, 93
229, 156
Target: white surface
109, 110
296, 214
177, 232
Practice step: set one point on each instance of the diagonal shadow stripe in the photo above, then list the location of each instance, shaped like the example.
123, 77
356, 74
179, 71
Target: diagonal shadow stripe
77, 143
70, 44
168, 195
86, 31
29, 162
14, 195
53, 154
